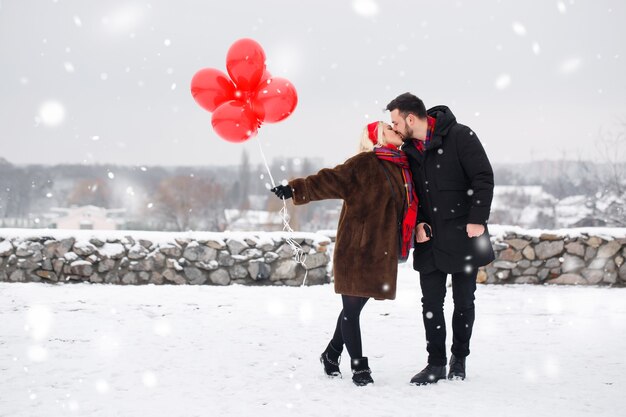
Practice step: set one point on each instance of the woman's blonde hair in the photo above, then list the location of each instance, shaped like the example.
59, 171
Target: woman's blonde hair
365, 144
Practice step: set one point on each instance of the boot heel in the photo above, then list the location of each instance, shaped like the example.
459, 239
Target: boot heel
361, 372
330, 360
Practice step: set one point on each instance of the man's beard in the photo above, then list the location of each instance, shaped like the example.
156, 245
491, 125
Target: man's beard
407, 135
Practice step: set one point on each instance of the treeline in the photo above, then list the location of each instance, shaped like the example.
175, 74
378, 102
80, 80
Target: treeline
194, 198
155, 197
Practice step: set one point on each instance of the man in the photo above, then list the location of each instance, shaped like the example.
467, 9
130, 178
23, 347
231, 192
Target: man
454, 183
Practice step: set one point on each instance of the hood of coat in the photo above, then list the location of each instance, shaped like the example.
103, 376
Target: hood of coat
445, 119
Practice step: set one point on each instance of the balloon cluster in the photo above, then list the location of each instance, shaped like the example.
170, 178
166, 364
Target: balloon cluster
251, 96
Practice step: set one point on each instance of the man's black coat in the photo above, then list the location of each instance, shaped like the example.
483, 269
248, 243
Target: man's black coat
454, 183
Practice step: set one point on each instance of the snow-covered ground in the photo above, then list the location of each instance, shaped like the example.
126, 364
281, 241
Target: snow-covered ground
98, 350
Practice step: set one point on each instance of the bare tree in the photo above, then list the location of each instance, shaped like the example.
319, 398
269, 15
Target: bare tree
611, 147
93, 191
609, 178
243, 191
190, 203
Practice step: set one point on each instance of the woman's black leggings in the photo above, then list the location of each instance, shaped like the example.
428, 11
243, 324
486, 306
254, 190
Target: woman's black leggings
348, 330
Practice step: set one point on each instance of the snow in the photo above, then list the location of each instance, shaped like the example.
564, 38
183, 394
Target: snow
69, 67
123, 20
112, 250
103, 350
365, 8
571, 209
608, 233
5, 247
85, 246
519, 29
155, 237
51, 113
570, 66
536, 48
535, 192
70, 256
503, 81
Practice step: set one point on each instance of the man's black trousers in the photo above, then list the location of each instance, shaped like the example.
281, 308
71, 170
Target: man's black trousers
433, 294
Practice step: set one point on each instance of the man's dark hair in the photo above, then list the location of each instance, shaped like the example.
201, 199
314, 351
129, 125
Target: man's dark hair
406, 104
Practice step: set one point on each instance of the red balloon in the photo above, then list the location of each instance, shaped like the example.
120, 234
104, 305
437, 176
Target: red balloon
234, 121
245, 62
275, 101
265, 78
211, 88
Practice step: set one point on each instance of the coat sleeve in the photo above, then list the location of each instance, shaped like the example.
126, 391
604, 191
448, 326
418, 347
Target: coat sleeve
328, 183
478, 169
421, 216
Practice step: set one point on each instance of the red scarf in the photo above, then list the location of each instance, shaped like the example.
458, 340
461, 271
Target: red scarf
421, 145
399, 158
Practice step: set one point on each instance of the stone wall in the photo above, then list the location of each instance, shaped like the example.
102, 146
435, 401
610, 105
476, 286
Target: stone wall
160, 258
591, 256
575, 256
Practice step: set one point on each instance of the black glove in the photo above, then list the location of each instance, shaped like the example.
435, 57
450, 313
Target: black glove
282, 191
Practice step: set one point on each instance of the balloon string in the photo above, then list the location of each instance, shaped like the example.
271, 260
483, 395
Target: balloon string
298, 253
265, 161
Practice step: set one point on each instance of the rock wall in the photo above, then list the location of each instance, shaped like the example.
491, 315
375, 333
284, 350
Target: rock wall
591, 256
114, 258
579, 257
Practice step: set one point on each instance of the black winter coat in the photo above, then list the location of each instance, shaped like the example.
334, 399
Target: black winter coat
454, 183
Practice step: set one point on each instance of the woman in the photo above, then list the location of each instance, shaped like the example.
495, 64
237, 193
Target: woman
376, 226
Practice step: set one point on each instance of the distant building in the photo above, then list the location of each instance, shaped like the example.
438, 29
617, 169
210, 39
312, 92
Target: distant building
85, 217
592, 211
574, 211
523, 205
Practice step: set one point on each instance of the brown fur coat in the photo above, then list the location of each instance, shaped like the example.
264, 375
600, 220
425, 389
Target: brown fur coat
366, 249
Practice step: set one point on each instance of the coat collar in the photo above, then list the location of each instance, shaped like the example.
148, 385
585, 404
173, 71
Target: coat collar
445, 119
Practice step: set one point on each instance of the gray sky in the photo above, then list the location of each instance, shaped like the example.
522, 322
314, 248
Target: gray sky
108, 82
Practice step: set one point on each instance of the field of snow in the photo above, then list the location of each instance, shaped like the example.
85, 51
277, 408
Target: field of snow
98, 350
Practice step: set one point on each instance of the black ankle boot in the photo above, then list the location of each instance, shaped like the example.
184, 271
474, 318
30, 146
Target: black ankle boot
457, 368
361, 373
429, 375
331, 358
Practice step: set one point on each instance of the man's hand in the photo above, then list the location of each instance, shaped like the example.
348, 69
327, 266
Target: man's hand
475, 230
420, 233
282, 191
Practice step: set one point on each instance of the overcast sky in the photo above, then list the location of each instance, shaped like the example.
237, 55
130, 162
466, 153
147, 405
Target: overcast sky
101, 82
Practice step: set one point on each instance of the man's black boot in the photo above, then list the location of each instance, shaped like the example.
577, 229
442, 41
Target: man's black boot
429, 375
457, 368
361, 373
331, 358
